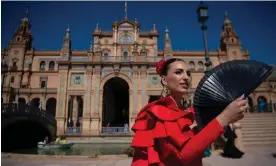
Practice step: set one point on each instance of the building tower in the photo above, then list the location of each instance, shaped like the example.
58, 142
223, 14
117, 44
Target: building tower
19, 58
230, 42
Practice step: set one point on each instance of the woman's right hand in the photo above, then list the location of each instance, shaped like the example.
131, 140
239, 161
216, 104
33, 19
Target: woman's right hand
233, 112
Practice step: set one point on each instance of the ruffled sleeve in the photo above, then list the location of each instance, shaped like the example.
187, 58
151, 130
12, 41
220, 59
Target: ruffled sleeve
163, 136
146, 129
152, 127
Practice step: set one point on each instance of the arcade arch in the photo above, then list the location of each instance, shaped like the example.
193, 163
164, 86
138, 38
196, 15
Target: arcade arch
115, 102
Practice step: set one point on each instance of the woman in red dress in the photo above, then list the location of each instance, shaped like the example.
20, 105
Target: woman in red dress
164, 129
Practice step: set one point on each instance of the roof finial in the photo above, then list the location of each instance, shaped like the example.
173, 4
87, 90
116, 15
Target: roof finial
67, 36
167, 30
226, 15
27, 13
125, 9
68, 28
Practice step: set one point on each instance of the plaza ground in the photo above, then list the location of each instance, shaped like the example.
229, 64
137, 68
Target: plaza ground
253, 157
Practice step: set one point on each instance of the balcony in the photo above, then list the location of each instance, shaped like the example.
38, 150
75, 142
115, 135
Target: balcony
37, 90
122, 59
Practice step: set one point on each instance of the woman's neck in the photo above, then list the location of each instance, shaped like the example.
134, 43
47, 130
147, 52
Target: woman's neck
177, 99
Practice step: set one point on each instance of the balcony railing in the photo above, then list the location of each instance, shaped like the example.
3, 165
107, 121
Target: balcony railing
36, 90
73, 131
112, 130
14, 109
137, 59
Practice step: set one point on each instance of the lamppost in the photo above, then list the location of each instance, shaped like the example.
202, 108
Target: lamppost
202, 13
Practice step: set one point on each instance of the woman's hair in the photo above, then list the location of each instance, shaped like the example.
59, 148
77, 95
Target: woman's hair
166, 65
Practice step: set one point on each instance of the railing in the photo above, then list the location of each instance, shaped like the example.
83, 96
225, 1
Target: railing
37, 90
73, 131
112, 130
14, 109
137, 59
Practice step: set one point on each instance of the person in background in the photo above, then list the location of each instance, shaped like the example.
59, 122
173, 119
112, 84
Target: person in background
164, 129
63, 140
58, 139
230, 150
261, 105
126, 128
46, 140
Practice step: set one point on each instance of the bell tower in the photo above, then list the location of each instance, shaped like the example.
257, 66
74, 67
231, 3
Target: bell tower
20, 44
230, 42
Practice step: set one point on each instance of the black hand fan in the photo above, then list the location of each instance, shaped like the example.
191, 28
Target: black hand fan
225, 83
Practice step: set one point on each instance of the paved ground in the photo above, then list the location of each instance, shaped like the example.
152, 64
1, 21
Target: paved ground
253, 157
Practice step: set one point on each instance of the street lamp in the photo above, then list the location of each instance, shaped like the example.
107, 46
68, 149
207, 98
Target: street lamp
202, 13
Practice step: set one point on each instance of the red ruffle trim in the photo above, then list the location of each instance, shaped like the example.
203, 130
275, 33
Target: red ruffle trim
161, 122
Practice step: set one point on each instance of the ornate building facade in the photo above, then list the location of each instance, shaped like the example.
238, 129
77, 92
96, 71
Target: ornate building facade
111, 81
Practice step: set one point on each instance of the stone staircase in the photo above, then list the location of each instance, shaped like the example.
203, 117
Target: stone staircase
259, 129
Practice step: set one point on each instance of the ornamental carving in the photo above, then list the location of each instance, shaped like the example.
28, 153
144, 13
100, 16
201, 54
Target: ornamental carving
77, 79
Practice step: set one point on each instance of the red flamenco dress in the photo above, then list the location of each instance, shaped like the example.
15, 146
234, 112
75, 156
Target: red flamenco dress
163, 136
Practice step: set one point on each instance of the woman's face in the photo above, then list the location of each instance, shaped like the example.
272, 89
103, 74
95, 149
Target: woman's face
177, 79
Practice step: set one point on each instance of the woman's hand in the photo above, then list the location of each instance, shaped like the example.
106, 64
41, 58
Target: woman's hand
233, 112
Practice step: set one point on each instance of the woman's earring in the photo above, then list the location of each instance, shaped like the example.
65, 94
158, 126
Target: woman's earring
165, 91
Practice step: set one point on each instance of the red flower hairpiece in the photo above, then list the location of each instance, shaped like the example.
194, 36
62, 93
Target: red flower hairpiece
159, 66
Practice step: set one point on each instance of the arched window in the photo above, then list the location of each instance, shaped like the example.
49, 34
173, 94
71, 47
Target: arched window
126, 39
125, 52
52, 65
191, 66
200, 66
42, 65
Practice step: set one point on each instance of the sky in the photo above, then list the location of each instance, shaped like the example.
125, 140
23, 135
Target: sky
254, 23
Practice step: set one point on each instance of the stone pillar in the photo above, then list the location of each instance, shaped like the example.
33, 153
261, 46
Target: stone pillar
238, 141
61, 99
60, 125
44, 102
95, 124
75, 109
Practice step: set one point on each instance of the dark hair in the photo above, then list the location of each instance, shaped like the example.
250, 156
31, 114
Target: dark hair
166, 66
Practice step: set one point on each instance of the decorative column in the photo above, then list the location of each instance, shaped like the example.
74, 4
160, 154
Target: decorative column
87, 104
61, 101
136, 96
143, 81
95, 119
75, 109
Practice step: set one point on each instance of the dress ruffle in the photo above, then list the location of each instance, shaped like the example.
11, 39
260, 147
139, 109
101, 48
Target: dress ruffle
159, 122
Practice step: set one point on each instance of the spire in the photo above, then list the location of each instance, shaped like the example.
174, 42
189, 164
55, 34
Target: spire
167, 36
226, 19
167, 42
67, 36
26, 16
97, 29
225, 15
154, 28
125, 9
